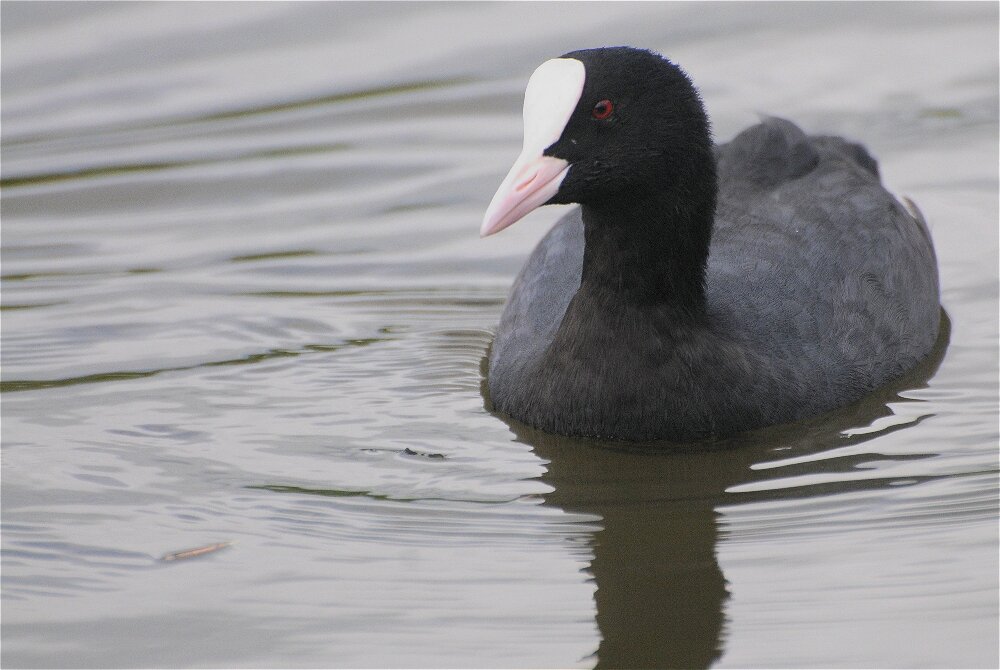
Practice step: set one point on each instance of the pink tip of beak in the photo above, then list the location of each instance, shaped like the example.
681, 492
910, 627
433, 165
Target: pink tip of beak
531, 182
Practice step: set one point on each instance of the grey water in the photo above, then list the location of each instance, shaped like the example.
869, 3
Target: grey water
244, 301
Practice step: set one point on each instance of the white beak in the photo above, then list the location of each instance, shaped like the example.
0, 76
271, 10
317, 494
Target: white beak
552, 95
530, 183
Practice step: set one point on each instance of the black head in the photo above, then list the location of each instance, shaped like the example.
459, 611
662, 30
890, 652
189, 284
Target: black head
638, 128
609, 128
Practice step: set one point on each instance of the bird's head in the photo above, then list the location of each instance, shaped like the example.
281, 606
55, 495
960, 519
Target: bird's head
602, 126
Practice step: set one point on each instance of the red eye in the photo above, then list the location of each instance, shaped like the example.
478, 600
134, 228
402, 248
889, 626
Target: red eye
602, 110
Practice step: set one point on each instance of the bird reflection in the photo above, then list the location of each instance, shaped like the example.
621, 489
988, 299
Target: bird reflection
661, 594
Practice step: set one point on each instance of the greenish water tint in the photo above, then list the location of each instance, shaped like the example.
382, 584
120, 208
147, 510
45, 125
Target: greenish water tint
27, 385
245, 305
121, 170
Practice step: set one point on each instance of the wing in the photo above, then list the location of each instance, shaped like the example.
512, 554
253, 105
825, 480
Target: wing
813, 260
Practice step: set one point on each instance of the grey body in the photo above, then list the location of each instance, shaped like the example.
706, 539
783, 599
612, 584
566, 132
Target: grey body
820, 287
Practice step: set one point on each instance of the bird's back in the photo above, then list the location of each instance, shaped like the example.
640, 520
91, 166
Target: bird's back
815, 264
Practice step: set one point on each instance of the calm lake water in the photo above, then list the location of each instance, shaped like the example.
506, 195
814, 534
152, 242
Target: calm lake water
245, 300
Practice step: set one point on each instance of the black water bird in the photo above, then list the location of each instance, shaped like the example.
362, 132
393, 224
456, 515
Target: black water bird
698, 290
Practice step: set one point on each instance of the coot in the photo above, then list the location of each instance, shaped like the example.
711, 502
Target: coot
698, 290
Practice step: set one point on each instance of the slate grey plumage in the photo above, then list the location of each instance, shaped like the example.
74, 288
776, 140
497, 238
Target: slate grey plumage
818, 286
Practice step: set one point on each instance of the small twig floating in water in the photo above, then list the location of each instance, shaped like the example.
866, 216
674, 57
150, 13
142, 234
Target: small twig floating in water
194, 553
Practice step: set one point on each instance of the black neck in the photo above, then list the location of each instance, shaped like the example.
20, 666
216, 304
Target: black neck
649, 250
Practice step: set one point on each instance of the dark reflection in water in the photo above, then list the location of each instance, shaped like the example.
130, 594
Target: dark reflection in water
660, 591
